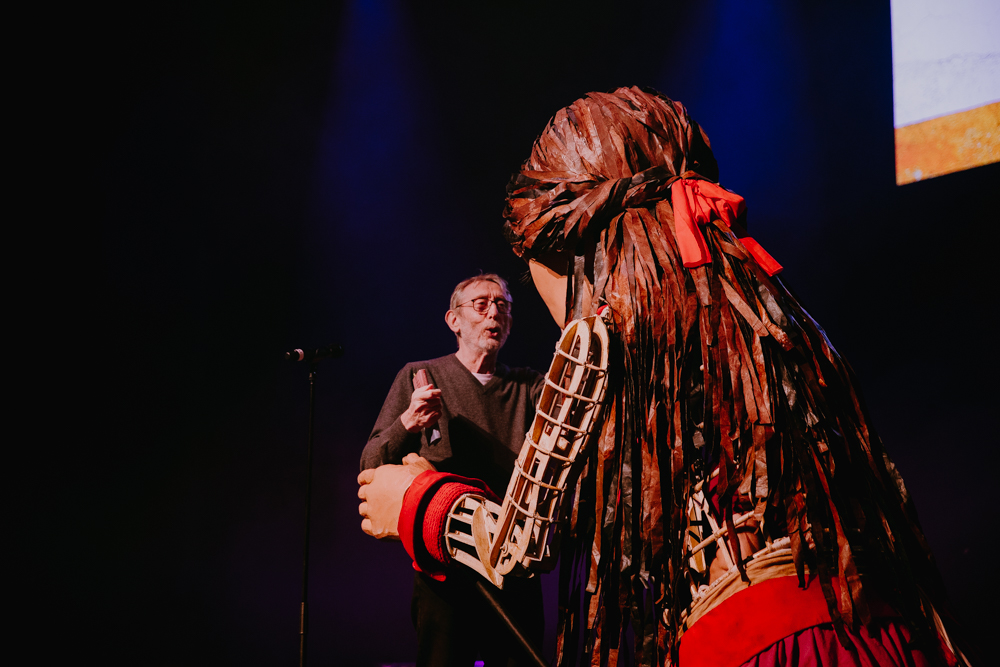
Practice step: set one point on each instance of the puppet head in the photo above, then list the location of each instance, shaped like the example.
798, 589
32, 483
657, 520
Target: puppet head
604, 153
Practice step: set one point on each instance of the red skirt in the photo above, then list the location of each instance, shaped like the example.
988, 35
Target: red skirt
885, 644
775, 623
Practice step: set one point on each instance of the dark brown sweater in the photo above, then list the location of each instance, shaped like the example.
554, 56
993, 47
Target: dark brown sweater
482, 427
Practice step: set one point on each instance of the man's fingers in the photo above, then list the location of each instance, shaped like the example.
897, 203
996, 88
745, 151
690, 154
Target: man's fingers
363, 492
430, 414
363, 509
366, 526
426, 394
366, 476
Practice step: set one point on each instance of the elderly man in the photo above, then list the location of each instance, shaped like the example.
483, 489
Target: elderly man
466, 414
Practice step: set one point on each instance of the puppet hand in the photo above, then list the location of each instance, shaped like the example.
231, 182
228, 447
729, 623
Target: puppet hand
419, 462
424, 410
382, 490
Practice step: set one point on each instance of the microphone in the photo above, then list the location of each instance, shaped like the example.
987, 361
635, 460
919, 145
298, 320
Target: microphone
331, 351
420, 379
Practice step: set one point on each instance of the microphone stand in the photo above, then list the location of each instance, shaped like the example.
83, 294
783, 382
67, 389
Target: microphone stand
331, 351
303, 611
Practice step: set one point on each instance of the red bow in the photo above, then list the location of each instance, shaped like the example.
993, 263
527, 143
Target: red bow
694, 202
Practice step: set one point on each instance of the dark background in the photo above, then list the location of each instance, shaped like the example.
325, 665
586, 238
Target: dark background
249, 177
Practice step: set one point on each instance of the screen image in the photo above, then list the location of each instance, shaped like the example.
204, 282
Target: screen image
946, 86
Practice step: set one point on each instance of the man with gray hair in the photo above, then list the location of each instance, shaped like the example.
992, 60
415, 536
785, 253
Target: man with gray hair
466, 414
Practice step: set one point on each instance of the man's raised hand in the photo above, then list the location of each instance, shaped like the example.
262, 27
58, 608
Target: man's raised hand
424, 410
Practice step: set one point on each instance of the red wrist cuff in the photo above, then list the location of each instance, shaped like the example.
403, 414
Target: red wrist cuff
423, 516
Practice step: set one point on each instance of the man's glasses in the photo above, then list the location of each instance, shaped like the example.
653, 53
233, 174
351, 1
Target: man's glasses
482, 305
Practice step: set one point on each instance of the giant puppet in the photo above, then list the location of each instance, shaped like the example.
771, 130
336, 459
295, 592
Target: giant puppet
734, 504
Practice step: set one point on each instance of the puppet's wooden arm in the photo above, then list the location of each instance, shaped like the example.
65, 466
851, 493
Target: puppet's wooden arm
522, 536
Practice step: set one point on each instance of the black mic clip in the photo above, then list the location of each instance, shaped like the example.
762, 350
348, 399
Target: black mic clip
331, 351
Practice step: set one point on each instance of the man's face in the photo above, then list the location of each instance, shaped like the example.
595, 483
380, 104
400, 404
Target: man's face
481, 332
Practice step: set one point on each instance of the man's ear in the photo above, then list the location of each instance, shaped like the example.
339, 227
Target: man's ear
451, 319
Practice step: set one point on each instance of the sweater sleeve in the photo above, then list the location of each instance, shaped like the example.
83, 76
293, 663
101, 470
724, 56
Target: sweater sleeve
537, 387
390, 441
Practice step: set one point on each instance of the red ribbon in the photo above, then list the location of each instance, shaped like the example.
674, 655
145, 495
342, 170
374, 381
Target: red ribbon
695, 202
